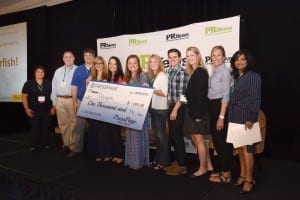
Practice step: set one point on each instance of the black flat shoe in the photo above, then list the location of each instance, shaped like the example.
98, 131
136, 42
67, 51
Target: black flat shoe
197, 176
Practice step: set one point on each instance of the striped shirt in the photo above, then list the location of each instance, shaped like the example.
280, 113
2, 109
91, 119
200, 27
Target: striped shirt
245, 98
219, 84
62, 74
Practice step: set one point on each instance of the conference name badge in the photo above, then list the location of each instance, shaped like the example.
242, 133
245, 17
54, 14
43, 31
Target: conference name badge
41, 99
63, 84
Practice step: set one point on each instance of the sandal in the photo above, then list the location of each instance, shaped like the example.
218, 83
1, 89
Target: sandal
240, 181
119, 160
158, 167
220, 179
107, 159
153, 164
214, 174
251, 185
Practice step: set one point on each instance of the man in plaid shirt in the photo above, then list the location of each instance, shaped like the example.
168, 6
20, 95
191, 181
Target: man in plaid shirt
178, 79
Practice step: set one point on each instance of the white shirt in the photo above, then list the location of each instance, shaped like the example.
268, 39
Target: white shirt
160, 83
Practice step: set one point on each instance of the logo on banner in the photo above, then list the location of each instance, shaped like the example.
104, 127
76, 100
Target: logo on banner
136, 42
176, 36
105, 45
213, 30
208, 60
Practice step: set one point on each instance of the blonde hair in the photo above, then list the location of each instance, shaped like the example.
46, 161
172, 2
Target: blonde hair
200, 63
94, 71
218, 47
160, 65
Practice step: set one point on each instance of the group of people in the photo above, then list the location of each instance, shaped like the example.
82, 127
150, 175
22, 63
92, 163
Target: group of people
192, 102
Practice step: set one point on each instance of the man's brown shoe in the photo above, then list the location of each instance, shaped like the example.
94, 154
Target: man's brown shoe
177, 171
72, 154
170, 167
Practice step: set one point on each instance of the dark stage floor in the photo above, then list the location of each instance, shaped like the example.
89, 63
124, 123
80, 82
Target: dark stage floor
51, 175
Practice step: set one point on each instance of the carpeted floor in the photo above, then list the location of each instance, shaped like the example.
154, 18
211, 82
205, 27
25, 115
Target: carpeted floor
51, 175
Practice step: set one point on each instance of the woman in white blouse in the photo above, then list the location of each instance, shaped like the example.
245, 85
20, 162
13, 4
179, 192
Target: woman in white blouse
159, 111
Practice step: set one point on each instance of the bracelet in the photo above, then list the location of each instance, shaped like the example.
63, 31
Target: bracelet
221, 117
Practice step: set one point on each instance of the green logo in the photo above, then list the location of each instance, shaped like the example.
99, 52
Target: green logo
213, 30
144, 61
136, 42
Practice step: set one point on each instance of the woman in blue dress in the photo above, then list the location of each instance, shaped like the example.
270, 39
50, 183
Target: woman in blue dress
137, 141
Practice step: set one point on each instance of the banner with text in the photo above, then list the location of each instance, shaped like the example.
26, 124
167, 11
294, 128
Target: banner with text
117, 104
13, 61
203, 35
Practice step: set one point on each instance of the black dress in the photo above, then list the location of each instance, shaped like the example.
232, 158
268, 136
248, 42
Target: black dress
197, 103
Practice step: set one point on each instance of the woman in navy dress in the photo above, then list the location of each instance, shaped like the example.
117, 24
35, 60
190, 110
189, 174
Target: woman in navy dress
243, 108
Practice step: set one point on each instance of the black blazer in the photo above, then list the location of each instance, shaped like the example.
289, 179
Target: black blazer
196, 93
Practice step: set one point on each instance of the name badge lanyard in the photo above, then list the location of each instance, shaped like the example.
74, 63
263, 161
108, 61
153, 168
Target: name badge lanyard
65, 73
88, 71
172, 76
40, 87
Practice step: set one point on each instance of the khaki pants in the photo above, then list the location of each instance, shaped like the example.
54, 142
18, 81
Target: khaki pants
66, 119
78, 134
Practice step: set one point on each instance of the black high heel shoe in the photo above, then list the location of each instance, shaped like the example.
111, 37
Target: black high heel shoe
252, 187
240, 181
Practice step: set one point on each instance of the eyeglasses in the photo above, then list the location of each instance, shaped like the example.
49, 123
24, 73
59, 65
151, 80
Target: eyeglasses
99, 63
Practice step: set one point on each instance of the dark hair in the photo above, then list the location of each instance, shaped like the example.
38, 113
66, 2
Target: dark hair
38, 67
128, 74
119, 72
249, 58
68, 51
89, 50
174, 51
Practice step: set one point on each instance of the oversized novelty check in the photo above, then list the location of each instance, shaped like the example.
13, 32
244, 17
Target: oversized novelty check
117, 104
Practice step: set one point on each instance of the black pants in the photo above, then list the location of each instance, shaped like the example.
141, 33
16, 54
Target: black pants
39, 128
115, 140
176, 134
223, 149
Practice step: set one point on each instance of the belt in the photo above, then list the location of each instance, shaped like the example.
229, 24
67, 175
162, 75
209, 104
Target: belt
215, 100
64, 96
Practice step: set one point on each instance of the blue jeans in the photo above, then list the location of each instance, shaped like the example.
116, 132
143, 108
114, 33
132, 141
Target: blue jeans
158, 123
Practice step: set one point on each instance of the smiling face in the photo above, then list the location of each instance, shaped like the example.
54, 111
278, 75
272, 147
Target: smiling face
133, 65
39, 74
241, 63
174, 59
192, 58
99, 64
68, 59
217, 57
154, 65
112, 65
88, 58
